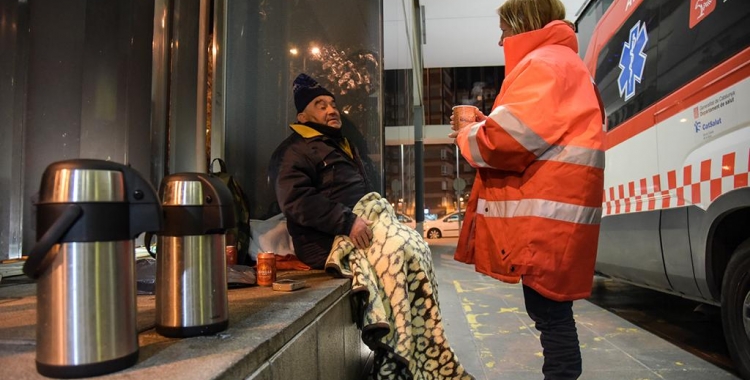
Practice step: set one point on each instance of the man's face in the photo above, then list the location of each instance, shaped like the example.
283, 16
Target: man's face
321, 110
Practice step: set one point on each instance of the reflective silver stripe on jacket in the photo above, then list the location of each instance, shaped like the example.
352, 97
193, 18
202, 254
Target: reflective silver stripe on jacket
542, 208
519, 131
533, 143
476, 155
574, 155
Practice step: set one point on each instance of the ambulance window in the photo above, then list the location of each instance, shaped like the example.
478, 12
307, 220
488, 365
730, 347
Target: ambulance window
688, 44
586, 24
687, 49
629, 87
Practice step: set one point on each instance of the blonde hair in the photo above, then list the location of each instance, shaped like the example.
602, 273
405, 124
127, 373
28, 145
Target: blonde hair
527, 15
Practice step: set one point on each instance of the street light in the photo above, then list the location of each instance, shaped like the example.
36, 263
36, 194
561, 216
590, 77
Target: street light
314, 51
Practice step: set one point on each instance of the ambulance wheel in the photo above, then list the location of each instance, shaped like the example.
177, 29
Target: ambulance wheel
735, 308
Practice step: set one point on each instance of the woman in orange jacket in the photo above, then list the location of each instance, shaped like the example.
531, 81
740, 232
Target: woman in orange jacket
535, 206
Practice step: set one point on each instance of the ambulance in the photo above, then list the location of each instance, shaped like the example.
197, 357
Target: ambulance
674, 77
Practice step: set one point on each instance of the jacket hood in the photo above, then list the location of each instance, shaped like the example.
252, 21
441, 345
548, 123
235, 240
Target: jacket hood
555, 33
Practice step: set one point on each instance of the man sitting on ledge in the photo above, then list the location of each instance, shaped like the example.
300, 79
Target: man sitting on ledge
322, 190
318, 177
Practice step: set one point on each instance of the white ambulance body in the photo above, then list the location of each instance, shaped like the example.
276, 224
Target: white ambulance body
675, 81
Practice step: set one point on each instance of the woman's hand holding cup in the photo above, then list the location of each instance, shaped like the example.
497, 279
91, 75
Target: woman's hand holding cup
462, 116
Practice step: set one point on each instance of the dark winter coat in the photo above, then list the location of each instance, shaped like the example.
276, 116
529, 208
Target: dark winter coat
317, 179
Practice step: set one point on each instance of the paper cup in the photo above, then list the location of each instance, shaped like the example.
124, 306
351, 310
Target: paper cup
463, 116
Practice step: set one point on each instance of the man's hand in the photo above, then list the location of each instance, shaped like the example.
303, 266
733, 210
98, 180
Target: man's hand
361, 234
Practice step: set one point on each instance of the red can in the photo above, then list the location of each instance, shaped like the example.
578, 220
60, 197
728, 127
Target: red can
231, 255
266, 268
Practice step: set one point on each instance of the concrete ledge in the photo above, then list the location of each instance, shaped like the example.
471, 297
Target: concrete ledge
305, 334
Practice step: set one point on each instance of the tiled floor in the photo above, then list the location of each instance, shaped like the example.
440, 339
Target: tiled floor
488, 328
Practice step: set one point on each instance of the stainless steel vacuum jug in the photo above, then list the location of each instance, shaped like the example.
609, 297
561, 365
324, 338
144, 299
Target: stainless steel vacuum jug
88, 213
191, 280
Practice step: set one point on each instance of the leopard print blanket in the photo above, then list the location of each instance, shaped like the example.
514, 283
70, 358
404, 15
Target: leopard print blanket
397, 297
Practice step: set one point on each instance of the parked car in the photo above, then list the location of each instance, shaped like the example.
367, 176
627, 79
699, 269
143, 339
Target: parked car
447, 226
405, 220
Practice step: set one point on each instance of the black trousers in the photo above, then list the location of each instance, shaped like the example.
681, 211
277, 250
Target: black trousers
558, 335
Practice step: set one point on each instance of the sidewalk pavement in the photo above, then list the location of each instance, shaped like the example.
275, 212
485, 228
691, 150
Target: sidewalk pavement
487, 326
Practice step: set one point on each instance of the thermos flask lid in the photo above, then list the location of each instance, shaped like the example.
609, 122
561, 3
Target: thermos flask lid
194, 189
183, 192
76, 182
195, 204
100, 188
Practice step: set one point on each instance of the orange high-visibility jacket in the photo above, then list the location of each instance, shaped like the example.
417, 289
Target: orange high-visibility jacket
535, 205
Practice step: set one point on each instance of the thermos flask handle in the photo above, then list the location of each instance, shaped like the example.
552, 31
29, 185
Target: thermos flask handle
147, 243
222, 166
39, 259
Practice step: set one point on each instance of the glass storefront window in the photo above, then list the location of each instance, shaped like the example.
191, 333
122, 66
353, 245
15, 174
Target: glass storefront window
268, 45
445, 170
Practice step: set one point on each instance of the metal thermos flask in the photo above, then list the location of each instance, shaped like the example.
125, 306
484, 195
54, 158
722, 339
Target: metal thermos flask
88, 213
191, 279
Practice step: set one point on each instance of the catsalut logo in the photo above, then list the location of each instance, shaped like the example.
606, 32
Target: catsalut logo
699, 9
700, 126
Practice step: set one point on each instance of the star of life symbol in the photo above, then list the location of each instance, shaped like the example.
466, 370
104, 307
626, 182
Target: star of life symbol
632, 60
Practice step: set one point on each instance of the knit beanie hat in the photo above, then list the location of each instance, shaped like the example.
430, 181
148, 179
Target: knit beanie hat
305, 90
